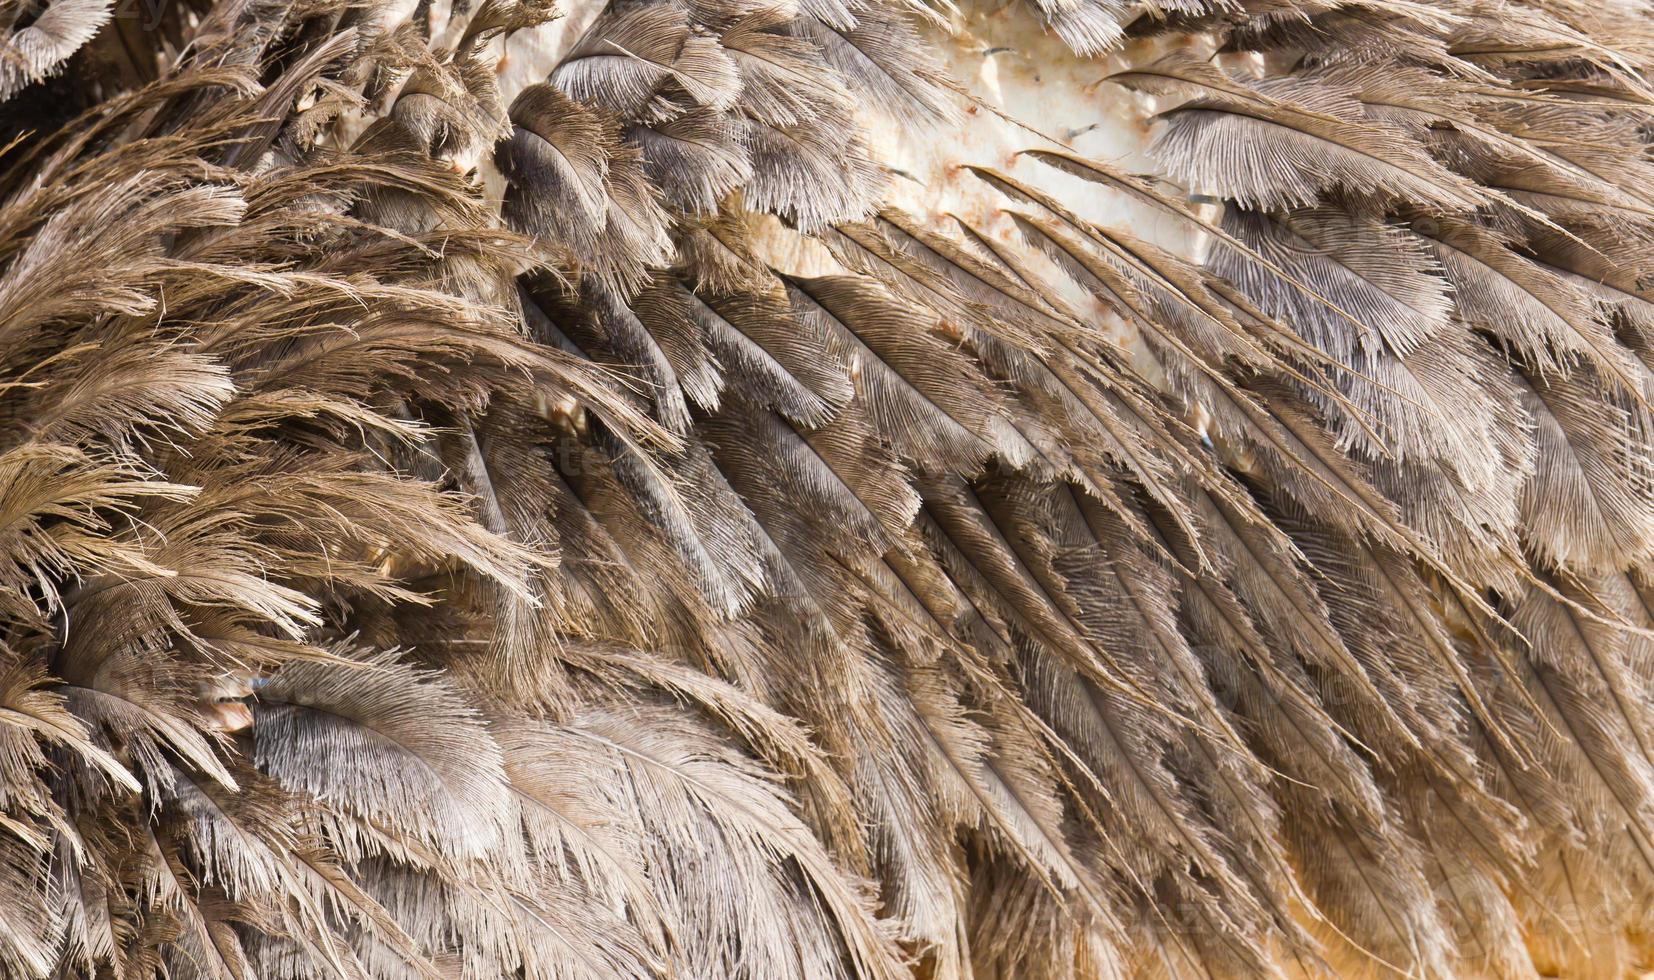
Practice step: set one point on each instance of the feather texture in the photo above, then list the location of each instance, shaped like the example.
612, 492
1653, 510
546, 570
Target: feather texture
835, 489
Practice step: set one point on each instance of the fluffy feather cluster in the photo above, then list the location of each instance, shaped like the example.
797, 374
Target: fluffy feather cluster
506, 491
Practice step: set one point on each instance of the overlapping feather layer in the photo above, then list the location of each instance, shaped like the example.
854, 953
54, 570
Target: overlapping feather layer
745, 488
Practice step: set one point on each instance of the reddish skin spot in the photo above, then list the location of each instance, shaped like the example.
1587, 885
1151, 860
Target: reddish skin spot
231, 716
567, 415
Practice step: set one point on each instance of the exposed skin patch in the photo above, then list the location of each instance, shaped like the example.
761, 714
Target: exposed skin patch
231, 716
1028, 91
